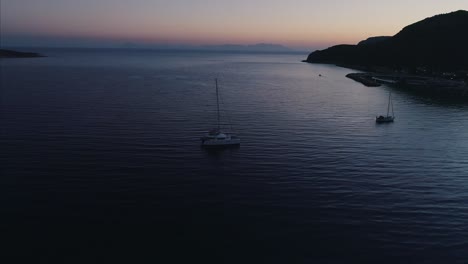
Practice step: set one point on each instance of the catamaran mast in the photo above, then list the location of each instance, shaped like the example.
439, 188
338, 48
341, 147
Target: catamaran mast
217, 103
393, 114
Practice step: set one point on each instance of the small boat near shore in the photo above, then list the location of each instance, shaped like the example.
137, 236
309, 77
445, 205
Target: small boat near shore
388, 118
216, 137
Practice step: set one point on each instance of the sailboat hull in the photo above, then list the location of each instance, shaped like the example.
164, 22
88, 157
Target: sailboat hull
388, 118
385, 119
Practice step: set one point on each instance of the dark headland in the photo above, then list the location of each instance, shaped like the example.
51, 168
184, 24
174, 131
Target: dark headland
430, 54
17, 54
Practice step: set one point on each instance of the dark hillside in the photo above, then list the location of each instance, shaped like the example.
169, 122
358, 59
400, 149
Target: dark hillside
439, 43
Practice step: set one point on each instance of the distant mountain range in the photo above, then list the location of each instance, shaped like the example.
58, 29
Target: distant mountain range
438, 43
254, 47
260, 47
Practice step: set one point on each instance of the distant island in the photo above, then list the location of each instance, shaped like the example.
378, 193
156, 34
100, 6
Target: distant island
426, 53
17, 54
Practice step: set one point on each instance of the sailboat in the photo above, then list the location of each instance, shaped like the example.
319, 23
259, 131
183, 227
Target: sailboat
388, 118
216, 137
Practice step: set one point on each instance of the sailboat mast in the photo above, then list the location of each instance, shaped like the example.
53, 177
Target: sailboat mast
217, 103
388, 107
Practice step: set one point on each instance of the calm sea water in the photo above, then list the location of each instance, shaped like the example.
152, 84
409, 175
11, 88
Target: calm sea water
100, 160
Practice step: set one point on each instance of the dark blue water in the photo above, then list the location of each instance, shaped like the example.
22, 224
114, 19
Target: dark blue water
100, 160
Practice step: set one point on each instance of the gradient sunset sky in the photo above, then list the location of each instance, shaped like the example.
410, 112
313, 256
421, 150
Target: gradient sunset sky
304, 24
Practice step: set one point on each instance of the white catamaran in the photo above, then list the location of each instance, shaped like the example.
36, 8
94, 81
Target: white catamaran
216, 137
388, 118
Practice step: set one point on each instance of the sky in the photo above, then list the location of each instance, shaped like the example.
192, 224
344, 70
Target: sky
299, 24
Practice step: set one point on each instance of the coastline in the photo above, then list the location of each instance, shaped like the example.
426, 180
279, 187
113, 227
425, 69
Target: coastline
445, 84
426, 84
4, 53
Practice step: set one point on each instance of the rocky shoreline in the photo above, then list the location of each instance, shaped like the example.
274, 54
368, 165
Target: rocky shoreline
364, 78
426, 84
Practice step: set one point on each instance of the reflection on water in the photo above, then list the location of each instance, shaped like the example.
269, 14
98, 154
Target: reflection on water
105, 147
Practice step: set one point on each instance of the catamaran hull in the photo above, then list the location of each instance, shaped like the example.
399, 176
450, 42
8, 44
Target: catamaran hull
220, 143
216, 138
